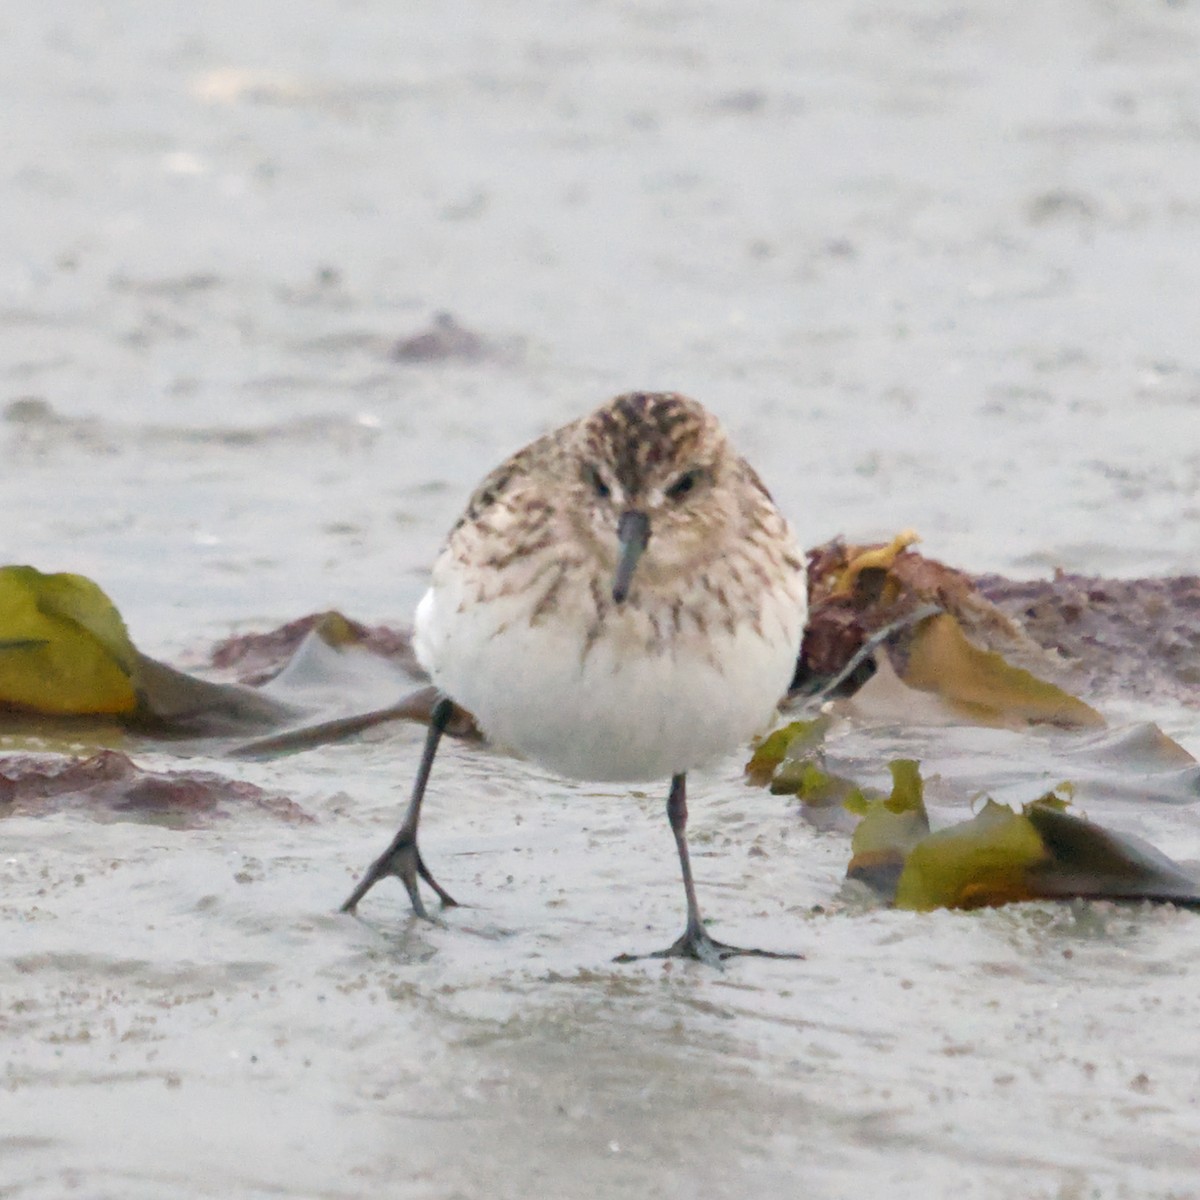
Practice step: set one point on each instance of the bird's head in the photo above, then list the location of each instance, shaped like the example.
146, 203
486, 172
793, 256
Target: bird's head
652, 493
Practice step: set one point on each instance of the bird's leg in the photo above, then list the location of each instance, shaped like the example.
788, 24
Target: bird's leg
695, 941
402, 858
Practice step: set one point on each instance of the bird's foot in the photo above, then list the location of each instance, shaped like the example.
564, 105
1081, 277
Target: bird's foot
402, 859
696, 942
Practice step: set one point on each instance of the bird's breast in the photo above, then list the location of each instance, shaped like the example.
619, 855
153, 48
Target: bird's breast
601, 691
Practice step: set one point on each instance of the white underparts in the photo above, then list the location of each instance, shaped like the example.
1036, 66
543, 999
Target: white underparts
624, 705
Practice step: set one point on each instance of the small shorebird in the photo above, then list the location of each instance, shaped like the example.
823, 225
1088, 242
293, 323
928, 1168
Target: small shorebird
620, 601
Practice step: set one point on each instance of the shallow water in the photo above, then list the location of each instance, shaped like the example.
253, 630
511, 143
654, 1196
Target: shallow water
928, 263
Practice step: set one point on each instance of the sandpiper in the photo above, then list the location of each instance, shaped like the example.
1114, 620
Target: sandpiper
620, 601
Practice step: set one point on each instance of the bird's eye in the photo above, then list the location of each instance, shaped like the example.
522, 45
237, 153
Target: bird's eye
592, 479
685, 483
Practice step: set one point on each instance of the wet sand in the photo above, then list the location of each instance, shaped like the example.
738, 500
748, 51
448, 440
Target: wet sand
931, 266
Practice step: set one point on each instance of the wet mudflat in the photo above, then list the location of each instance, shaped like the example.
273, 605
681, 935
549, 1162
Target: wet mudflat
925, 264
